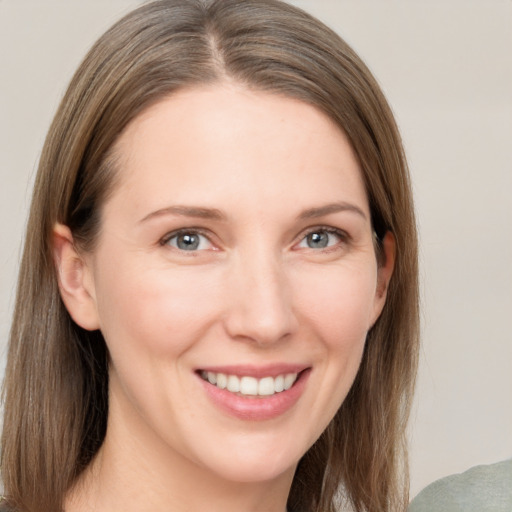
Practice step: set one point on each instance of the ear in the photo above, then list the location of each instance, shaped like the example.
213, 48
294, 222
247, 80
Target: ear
386, 264
75, 279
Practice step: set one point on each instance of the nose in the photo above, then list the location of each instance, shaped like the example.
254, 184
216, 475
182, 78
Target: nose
260, 309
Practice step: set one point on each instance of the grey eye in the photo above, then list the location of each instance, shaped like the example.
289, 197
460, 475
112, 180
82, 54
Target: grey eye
189, 241
321, 239
318, 240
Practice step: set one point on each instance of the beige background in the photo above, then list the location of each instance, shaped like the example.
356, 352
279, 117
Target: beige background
446, 68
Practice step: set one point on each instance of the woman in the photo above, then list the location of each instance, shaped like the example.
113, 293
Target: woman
217, 304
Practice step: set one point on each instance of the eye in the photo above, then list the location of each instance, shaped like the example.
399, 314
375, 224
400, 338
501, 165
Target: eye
189, 241
321, 238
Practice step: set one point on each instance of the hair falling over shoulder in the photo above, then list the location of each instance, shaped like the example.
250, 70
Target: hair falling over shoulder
56, 383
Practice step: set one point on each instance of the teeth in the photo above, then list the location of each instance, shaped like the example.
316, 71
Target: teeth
279, 384
266, 386
222, 380
289, 379
250, 385
233, 383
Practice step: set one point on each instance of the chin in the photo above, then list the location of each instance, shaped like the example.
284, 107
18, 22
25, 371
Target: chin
255, 471
256, 459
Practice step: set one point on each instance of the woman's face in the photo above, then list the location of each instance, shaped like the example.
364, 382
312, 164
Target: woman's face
234, 280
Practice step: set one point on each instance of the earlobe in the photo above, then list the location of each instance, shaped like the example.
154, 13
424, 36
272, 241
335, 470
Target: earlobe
384, 273
74, 277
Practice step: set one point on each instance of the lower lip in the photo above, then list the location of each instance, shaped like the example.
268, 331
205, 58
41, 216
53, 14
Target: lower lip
259, 408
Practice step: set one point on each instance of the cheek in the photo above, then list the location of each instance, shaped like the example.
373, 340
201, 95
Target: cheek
339, 302
336, 306
155, 311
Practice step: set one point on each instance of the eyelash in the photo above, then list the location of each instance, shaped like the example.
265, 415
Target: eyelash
343, 236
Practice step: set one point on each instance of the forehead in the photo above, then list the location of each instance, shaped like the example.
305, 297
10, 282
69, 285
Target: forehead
212, 142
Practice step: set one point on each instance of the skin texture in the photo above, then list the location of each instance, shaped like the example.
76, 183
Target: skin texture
255, 292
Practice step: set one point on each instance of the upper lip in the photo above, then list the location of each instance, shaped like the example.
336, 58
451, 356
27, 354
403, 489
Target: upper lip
258, 372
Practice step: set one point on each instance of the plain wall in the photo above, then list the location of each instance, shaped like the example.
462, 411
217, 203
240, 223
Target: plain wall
446, 68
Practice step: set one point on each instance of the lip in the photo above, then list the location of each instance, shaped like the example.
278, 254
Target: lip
258, 372
250, 408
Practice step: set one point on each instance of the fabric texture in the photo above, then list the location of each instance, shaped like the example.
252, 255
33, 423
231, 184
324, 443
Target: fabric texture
480, 489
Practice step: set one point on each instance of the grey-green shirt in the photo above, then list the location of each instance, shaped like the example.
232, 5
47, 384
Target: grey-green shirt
481, 488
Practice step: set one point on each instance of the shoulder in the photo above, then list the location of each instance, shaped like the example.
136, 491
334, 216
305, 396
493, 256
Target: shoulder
481, 488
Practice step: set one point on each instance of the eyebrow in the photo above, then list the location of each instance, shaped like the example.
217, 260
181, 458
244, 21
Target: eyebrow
215, 214
321, 211
187, 211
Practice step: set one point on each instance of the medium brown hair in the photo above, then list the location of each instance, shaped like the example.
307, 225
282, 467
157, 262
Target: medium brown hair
56, 384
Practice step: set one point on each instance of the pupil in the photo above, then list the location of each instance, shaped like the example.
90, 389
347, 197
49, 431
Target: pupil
188, 242
318, 240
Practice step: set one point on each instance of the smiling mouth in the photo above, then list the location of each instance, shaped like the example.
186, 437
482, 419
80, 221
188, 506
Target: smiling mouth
250, 386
